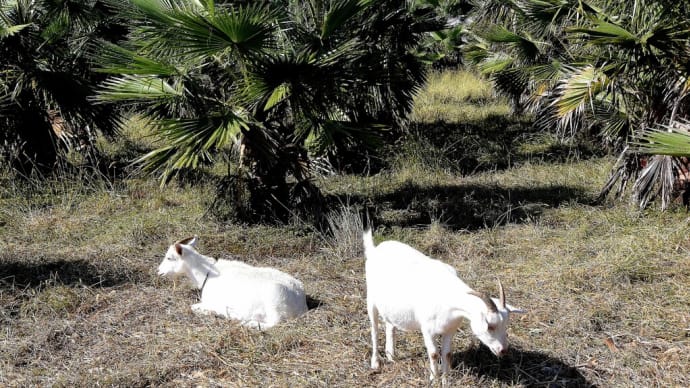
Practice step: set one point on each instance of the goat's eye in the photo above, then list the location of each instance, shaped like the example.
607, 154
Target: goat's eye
492, 328
170, 258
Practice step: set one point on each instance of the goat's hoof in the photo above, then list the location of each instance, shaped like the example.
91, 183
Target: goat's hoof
375, 364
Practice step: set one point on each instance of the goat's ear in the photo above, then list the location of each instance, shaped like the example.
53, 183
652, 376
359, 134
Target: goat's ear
189, 241
178, 249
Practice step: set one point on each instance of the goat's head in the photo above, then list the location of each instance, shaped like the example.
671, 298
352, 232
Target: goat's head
490, 325
174, 262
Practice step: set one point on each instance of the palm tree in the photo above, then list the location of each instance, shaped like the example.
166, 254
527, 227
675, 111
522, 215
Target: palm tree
276, 77
641, 85
606, 68
47, 82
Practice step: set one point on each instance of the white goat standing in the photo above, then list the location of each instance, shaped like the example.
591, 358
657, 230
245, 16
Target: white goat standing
411, 291
258, 297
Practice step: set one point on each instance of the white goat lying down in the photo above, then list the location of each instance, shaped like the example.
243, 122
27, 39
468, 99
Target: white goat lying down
411, 291
258, 297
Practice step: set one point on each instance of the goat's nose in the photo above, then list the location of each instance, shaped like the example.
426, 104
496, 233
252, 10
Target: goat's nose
503, 352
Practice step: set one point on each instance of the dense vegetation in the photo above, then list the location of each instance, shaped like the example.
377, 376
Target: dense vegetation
47, 80
299, 87
616, 71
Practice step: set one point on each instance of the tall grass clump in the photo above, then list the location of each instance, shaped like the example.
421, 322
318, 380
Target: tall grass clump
457, 96
345, 226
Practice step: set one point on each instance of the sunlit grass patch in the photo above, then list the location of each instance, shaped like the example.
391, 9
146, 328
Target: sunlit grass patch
457, 96
455, 86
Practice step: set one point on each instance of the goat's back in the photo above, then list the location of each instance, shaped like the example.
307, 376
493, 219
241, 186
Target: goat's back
232, 269
252, 293
394, 257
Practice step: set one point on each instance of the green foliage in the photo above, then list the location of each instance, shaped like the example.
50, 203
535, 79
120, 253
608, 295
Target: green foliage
47, 82
274, 78
604, 68
672, 141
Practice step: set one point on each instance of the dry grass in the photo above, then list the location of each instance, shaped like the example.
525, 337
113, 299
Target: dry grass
606, 287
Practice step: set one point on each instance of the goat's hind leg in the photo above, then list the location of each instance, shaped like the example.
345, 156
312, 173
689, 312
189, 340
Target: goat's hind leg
446, 358
390, 341
374, 319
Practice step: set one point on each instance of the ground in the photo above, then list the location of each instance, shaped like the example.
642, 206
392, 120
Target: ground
605, 285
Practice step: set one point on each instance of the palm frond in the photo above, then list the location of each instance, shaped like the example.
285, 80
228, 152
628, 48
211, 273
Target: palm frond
577, 92
614, 120
476, 50
137, 88
189, 143
545, 11
187, 28
115, 59
341, 12
657, 178
511, 82
335, 133
7, 31
605, 33
495, 64
665, 140
524, 47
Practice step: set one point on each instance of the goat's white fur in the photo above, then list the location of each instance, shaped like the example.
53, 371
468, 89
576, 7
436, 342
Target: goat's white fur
258, 297
411, 291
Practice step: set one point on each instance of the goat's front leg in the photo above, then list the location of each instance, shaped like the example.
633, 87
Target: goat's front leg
374, 319
432, 350
390, 341
446, 341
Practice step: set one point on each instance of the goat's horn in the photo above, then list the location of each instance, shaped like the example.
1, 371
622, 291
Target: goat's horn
501, 294
488, 301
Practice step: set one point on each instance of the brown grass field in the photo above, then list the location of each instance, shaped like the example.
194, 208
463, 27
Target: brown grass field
606, 286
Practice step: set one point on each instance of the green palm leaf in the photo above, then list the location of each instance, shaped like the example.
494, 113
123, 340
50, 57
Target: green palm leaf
525, 47
137, 88
605, 33
578, 90
190, 143
114, 59
185, 28
339, 13
7, 31
495, 64
671, 141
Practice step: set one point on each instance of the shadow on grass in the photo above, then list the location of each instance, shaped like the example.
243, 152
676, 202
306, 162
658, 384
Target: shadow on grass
468, 206
313, 303
20, 275
496, 143
521, 367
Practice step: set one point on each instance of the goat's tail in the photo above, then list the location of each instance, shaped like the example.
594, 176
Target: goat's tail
368, 239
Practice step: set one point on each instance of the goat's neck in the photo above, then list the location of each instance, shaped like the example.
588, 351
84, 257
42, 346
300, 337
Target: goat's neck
198, 273
469, 306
